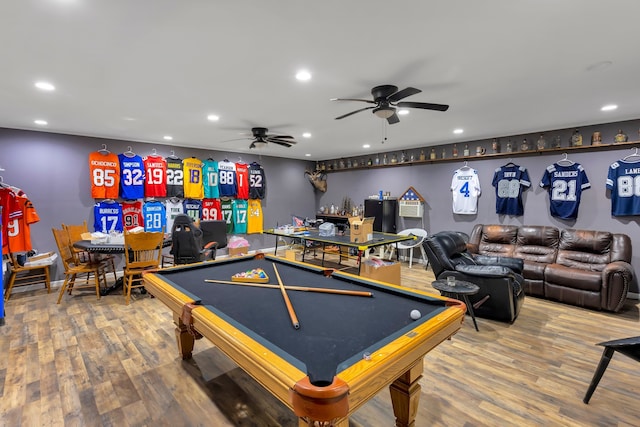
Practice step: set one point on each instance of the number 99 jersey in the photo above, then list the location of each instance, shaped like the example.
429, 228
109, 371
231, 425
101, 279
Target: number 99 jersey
624, 182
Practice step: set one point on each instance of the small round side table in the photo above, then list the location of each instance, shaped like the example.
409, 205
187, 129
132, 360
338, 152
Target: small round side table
459, 288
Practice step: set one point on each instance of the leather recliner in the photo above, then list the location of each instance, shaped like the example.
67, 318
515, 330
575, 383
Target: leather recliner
501, 294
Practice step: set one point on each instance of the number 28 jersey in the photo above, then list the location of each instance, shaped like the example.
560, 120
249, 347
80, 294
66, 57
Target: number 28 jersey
465, 188
624, 182
565, 185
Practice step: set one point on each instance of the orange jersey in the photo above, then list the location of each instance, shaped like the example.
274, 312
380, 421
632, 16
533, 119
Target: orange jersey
18, 230
104, 170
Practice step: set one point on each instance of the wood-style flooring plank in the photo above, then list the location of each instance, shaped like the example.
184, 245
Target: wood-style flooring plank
89, 362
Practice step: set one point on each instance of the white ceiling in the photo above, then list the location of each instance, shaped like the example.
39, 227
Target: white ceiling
139, 70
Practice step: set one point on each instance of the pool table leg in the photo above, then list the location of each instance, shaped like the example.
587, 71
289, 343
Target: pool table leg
184, 338
405, 395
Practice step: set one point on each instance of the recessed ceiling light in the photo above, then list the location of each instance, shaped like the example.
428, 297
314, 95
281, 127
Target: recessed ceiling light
213, 117
168, 137
303, 75
306, 135
307, 155
458, 131
609, 107
403, 112
41, 122
366, 146
45, 86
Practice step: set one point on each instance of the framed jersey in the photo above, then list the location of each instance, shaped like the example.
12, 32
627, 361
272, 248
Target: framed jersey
510, 181
465, 188
623, 181
104, 169
131, 176
257, 181
107, 217
565, 184
193, 187
175, 177
155, 184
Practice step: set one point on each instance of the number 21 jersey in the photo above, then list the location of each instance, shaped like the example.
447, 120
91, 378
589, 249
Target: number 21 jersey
565, 185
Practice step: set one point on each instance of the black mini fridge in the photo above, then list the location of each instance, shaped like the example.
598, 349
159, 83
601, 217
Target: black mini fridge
384, 212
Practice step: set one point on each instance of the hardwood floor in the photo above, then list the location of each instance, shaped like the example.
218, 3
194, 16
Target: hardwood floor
101, 363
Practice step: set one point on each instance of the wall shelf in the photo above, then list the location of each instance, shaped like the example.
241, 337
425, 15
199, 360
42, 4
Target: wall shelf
586, 148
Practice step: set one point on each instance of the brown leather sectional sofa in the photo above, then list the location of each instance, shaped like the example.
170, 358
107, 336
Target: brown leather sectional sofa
581, 267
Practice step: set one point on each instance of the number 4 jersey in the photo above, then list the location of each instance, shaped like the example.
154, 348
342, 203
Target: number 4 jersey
565, 184
624, 182
465, 187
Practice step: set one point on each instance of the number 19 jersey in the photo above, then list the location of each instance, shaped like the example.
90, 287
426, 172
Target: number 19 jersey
155, 184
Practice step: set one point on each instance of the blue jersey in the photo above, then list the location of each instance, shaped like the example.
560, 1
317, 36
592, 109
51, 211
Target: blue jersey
210, 174
257, 181
155, 216
227, 183
240, 216
193, 208
565, 185
510, 182
131, 177
624, 182
107, 217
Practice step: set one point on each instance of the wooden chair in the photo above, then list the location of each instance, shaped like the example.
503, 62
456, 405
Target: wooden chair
143, 252
93, 272
75, 232
26, 275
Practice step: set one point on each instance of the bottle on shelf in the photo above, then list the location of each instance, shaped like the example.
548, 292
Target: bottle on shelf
525, 145
385, 160
454, 151
576, 138
495, 145
444, 154
432, 156
412, 157
465, 152
377, 159
394, 159
620, 137
542, 142
369, 162
422, 155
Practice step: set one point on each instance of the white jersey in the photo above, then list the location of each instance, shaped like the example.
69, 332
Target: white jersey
173, 208
465, 187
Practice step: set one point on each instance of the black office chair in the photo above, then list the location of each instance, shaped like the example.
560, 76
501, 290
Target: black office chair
187, 242
627, 346
501, 294
214, 235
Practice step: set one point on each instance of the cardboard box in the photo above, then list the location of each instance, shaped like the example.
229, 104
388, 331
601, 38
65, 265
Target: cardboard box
243, 250
361, 229
293, 254
384, 273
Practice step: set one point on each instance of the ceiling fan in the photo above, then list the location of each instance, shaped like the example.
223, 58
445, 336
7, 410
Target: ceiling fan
260, 137
386, 99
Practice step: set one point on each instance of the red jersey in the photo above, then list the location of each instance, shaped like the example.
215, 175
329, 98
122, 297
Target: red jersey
155, 184
242, 175
211, 210
12, 210
18, 230
104, 169
132, 215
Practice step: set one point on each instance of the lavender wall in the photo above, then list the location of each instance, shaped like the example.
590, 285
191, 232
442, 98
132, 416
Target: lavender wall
53, 171
432, 181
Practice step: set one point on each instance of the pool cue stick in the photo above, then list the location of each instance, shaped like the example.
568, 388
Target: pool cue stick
294, 288
292, 313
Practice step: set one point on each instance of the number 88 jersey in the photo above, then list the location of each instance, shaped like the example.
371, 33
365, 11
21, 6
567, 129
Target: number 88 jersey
227, 179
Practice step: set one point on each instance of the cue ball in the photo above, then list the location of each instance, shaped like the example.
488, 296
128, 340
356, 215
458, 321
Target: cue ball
415, 314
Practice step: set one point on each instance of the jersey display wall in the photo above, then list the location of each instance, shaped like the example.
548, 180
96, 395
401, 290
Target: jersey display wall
565, 184
465, 188
510, 181
623, 180
175, 177
104, 169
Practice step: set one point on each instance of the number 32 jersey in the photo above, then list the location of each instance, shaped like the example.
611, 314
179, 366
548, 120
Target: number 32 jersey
465, 187
624, 182
565, 185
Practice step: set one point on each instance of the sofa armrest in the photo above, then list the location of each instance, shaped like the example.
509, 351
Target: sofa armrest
616, 278
485, 271
515, 264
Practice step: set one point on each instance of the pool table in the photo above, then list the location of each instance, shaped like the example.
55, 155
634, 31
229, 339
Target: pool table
346, 349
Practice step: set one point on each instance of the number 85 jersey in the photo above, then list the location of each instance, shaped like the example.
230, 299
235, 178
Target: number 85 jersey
624, 182
465, 187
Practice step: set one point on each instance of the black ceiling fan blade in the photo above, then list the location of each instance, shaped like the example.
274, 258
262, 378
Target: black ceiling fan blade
393, 119
278, 139
401, 94
283, 143
353, 99
273, 135
423, 105
354, 112
247, 138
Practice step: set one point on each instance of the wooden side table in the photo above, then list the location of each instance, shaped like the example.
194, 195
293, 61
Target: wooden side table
459, 288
